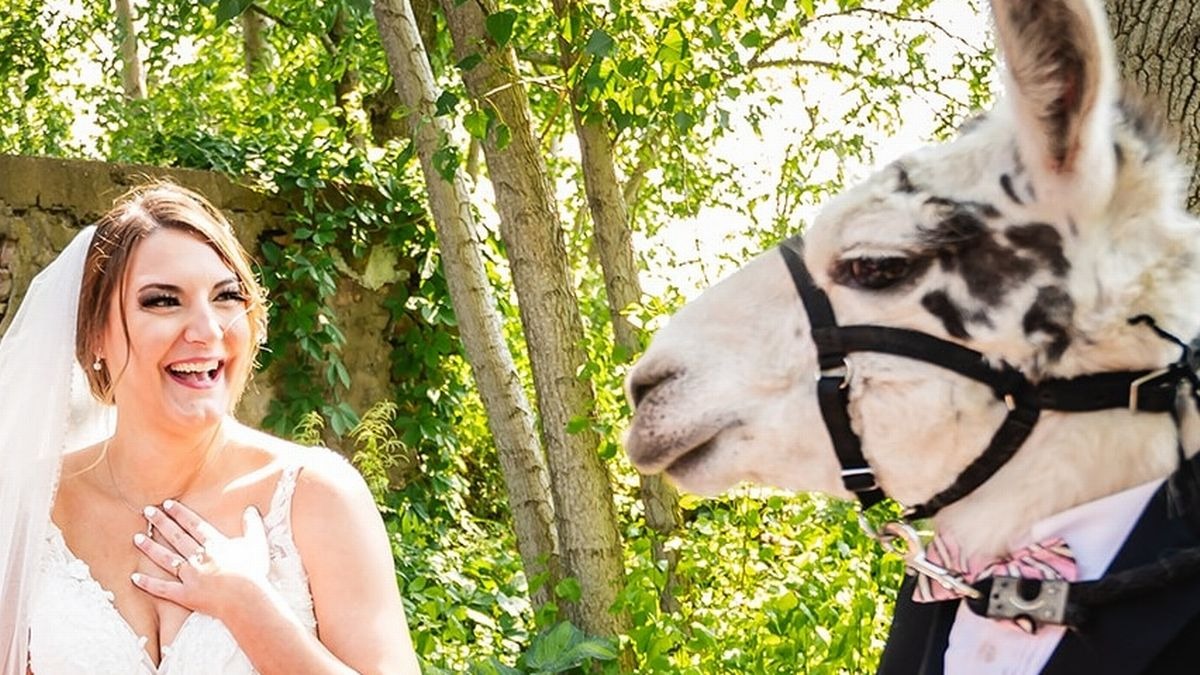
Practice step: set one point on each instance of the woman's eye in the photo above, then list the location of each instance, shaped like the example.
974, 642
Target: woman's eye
231, 296
874, 273
160, 301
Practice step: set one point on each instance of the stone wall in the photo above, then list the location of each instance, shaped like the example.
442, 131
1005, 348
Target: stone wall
45, 202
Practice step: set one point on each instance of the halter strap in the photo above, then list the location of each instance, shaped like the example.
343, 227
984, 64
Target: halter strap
1142, 390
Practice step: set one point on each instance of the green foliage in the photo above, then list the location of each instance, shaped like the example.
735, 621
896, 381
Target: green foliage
377, 449
308, 430
39, 98
767, 583
776, 584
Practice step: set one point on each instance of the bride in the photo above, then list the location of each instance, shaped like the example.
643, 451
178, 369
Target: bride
175, 540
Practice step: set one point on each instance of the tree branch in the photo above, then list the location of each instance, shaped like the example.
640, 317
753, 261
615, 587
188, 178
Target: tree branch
261, 11
538, 58
913, 19
757, 59
812, 63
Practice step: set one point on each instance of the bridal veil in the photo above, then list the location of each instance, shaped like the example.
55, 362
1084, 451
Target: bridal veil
46, 409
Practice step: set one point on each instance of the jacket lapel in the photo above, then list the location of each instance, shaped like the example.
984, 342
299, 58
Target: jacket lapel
919, 634
1126, 637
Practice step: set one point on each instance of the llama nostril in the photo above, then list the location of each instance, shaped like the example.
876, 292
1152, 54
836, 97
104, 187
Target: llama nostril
640, 385
638, 392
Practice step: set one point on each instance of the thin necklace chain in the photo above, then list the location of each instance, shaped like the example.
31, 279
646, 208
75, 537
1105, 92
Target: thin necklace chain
121, 495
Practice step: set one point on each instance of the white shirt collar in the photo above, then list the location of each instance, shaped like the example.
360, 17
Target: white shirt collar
1095, 532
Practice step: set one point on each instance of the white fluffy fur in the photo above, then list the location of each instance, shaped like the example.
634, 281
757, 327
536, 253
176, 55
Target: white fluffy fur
735, 368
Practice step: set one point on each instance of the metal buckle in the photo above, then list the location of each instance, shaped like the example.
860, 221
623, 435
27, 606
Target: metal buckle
1136, 385
1007, 601
913, 553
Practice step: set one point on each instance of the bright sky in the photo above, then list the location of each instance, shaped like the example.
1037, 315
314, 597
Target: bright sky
704, 237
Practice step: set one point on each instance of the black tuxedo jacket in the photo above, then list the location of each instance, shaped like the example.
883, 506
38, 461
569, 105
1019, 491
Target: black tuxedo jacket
1158, 633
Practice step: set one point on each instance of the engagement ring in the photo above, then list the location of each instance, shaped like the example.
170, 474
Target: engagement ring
198, 558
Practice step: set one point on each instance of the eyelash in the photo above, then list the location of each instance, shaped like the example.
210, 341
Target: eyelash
156, 301
160, 301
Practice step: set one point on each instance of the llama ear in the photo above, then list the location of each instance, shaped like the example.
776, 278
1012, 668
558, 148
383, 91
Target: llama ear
1062, 82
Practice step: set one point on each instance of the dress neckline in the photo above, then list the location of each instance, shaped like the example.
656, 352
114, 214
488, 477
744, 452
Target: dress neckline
271, 519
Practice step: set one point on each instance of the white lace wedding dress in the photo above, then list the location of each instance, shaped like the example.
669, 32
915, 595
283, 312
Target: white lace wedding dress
75, 628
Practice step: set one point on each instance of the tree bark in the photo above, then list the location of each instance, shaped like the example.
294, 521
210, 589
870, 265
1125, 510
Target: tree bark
614, 246
509, 415
1157, 43
346, 88
133, 78
254, 42
532, 234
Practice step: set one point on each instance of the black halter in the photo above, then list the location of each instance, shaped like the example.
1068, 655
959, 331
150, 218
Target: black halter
1146, 391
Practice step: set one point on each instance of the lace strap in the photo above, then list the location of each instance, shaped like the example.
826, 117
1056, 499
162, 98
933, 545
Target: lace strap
281, 502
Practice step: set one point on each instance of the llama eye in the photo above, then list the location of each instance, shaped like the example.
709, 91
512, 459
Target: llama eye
873, 274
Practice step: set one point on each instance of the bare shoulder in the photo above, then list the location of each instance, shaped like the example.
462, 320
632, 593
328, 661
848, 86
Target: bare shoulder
331, 497
327, 484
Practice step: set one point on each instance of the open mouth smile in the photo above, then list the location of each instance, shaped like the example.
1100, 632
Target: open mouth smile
197, 374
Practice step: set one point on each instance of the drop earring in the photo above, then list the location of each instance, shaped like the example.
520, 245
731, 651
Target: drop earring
96, 365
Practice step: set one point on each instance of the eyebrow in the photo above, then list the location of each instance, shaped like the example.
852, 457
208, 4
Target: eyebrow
172, 288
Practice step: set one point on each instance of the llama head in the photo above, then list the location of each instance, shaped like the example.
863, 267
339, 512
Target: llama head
1032, 237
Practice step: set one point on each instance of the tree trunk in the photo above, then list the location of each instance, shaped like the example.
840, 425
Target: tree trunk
425, 12
532, 234
254, 42
1157, 42
614, 246
346, 88
508, 412
133, 79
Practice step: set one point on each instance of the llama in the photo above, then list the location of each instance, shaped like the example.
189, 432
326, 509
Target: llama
1033, 238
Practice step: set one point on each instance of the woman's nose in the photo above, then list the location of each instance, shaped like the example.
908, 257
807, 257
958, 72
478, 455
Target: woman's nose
204, 325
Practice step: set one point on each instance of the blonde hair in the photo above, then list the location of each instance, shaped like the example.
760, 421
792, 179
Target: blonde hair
139, 213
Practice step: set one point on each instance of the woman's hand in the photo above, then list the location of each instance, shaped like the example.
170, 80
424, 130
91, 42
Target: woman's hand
208, 572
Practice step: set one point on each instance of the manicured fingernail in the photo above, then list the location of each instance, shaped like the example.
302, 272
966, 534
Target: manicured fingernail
169, 504
149, 511
136, 578
139, 538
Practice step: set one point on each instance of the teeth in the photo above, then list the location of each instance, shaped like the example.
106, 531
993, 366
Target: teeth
195, 367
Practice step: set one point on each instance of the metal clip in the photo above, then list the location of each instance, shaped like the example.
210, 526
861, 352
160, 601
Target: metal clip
913, 553
1007, 601
1136, 385
849, 476
842, 372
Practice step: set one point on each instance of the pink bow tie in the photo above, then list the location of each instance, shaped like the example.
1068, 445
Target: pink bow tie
1050, 559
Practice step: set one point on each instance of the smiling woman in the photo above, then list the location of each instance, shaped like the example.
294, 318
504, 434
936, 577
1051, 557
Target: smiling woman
180, 541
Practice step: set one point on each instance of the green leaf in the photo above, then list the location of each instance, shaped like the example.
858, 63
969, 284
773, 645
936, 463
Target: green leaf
632, 67
564, 647
600, 44
446, 161
470, 61
568, 589
499, 25
752, 39
228, 10
476, 123
446, 103
503, 136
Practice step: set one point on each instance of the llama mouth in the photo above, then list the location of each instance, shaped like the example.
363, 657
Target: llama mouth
691, 459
